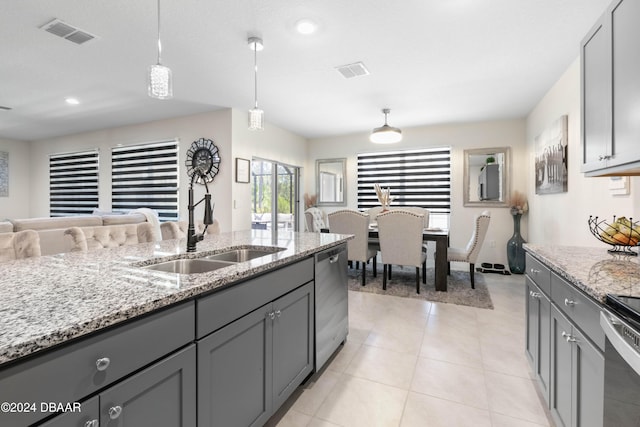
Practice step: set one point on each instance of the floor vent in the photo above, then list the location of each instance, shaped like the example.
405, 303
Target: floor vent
66, 31
353, 70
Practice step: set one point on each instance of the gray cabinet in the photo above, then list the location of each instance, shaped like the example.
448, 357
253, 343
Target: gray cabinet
538, 312
247, 369
88, 416
611, 92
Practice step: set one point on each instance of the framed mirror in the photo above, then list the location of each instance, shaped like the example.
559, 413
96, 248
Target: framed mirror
330, 182
486, 177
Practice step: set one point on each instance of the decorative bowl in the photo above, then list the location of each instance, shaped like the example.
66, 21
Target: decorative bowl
621, 233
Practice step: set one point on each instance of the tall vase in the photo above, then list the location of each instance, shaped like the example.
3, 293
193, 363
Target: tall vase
515, 253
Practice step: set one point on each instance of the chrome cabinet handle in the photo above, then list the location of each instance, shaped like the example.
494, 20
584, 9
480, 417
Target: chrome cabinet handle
278, 313
271, 315
103, 363
114, 412
534, 271
535, 294
334, 259
604, 157
568, 337
569, 302
91, 423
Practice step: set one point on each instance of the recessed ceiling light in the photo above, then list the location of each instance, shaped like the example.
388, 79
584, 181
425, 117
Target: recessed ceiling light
306, 26
72, 101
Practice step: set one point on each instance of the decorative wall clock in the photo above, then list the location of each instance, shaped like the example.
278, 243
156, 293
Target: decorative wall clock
203, 161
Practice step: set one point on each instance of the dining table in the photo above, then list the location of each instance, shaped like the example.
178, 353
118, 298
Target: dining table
441, 237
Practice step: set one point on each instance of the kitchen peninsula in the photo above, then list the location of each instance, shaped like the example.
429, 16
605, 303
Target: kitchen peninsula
100, 329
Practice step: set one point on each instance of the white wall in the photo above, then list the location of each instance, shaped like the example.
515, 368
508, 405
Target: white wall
562, 218
507, 133
20, 169
272, 143
213, 125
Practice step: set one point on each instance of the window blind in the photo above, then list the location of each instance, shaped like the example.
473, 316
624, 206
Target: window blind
73, 183
146, 176
420, 177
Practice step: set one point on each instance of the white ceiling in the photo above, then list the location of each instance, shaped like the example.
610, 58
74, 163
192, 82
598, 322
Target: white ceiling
431, 61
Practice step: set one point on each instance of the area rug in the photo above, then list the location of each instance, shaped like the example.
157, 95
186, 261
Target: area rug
403, 284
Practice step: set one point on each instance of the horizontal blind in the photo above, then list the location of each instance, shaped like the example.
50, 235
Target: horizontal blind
146, 176
73, 183
420, 177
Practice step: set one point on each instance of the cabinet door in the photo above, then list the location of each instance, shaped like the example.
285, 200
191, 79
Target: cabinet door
588, 384
538, 311
234, 372
532, 330
292, 342
596, 97
88, 416
625, 33
561, 378
162, 395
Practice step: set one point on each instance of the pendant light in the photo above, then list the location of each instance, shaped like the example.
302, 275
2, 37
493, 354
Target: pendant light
256, 115
386, 134
160, 85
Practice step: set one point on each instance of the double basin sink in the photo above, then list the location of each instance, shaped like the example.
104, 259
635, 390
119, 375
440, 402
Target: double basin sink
212, 262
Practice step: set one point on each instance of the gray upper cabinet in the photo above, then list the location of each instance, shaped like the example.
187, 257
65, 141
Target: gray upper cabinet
610, 65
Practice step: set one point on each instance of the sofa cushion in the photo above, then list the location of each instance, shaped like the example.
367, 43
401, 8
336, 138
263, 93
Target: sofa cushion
123, 219
23, 244
62, 222
6, 227
108, 236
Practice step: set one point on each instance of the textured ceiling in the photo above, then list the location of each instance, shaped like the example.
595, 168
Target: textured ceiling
430, 61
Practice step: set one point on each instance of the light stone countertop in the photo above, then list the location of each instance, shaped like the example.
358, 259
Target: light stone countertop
48, 300
592, 270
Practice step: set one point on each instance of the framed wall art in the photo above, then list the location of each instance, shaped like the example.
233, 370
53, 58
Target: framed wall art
551, 169
242, 170
4, 174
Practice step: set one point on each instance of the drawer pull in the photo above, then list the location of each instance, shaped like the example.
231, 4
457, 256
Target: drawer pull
278, 313
534, 271
271, 315
103, 363
535, 294
569, 302
114, 412
568, 337
91, 423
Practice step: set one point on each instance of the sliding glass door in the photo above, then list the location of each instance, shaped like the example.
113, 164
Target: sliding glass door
274, 196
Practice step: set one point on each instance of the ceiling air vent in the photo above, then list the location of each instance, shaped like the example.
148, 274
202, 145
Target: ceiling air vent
66, 31
353, 70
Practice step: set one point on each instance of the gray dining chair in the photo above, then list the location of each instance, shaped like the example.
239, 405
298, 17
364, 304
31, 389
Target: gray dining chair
347, 221
400, 234
470, 252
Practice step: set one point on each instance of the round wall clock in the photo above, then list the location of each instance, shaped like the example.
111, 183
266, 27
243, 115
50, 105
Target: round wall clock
203, 161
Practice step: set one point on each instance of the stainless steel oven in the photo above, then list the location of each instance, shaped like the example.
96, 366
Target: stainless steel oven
621, 325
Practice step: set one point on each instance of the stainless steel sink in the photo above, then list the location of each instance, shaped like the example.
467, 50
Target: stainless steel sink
188, 266
241, 255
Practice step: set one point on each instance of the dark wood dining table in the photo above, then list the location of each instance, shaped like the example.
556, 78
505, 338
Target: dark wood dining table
441, 237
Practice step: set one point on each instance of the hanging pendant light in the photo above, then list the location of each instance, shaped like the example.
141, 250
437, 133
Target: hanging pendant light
160, 84
256, 115
386, 134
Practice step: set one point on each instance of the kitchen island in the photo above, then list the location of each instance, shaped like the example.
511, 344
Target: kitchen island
55, 311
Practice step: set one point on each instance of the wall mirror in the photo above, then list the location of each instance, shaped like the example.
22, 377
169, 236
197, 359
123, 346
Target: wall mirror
486, 177
330, 181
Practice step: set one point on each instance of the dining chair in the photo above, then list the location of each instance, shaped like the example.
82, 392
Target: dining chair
85, 239
315, 220
178, 229
19, 245
373, 213
347, 221
400, 234
418, 210
470, 252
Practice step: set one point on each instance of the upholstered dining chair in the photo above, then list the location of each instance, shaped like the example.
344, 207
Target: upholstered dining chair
348, 221
416, 210
470, 252
315, 220
373, 213
109, 236
19, 245
178, 229
400, 234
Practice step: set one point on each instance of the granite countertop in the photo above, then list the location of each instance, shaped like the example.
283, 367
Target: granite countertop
47, 300
593, 270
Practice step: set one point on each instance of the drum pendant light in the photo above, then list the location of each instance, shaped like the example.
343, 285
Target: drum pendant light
386, 134
159, 85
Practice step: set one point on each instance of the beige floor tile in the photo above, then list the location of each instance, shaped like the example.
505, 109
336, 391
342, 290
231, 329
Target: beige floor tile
452, 345
291, 419
450, 381
426, 411
316, 422
315, 391
500, 420
396, 335
515, 397
505, 359
344, 355
356, 402
384, 366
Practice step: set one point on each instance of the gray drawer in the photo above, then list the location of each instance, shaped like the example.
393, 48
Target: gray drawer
223, 307
70, 373
539, 273
89, 412
579, 308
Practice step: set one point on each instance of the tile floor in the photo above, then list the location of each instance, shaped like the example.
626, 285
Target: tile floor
414, 363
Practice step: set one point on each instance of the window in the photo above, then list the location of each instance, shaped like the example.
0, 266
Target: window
420, 177
274, 196
73, 183
146, 176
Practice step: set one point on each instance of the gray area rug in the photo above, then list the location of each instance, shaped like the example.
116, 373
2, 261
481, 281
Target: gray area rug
403, 284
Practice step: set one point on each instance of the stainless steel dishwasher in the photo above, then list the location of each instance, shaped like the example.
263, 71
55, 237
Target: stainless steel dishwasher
331, 297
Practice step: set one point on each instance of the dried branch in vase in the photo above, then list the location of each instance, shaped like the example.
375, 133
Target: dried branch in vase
384, 196
310, 201
518, 203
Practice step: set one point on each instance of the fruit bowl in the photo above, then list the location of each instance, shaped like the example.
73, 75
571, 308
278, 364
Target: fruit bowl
622, 233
